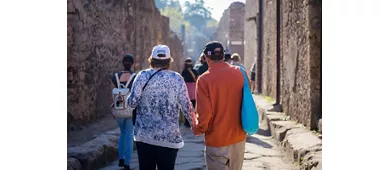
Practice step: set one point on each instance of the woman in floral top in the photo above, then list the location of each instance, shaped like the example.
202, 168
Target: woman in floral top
156, 131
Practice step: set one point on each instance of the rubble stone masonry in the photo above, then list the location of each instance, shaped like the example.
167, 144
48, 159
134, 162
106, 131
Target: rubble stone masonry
230, 30
99, 34
301, 60
250, 33
300, 55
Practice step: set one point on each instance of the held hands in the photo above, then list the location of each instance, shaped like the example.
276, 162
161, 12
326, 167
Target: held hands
195, 123
195, 131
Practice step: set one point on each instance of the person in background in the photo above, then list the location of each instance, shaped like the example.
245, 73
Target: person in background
204, 66
159, 93
227, 56
219, 98
253, 75
235, 60
190, 76
125, 142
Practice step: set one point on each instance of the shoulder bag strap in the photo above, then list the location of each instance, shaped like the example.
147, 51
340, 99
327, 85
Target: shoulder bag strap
129, 80
245, 76
117, 80
151, 78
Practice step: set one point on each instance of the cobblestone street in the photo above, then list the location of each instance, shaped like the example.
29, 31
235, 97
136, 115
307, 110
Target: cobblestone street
261, 153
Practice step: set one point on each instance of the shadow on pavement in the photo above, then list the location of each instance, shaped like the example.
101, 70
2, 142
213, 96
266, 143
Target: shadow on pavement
264, 132
253, 140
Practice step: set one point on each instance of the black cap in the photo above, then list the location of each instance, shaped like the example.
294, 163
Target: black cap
211, 46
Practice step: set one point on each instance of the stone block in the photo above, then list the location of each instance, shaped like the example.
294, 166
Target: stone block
320, 126
312, 161
96, 153
300, 141
275, 116
280, 128
73, 164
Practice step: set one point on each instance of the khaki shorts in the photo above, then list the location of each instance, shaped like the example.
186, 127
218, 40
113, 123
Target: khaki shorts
225, 158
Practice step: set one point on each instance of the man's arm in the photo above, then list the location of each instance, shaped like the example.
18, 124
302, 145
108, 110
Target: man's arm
203, 107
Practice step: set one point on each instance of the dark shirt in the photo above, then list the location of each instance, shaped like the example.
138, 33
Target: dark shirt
188, 77
113, 79
203, 68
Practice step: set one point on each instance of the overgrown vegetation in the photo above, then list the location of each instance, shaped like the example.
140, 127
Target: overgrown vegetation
269, 99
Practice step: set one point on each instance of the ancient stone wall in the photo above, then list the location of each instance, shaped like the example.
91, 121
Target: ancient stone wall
300, 55
301, 60
269, 49
236, 29
250, 32
222, 32
230, 30
99, 34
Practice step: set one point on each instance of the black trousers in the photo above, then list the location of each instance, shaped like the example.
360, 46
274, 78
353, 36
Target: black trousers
150, 155
186, 121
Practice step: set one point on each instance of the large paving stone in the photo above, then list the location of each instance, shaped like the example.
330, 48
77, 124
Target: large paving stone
97, 152
184, 153
193, 147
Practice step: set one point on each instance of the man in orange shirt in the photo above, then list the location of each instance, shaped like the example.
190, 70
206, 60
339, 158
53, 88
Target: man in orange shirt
219, 97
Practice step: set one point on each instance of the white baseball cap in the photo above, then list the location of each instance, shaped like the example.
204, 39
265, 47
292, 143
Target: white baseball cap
161, 49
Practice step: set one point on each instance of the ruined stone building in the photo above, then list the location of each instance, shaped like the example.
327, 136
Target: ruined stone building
99, 34
230, 30
300, 55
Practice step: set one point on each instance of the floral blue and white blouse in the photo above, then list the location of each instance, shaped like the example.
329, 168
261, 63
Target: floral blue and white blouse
159, 107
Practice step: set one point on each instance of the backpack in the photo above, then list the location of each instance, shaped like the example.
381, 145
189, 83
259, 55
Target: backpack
120, 96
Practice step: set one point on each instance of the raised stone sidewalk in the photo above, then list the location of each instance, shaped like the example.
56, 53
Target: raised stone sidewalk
300, 144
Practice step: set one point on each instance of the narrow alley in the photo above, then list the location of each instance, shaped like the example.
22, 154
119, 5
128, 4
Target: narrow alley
277, 43
261, 153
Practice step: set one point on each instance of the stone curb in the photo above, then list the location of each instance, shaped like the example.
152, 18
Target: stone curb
299, 143
95, 153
